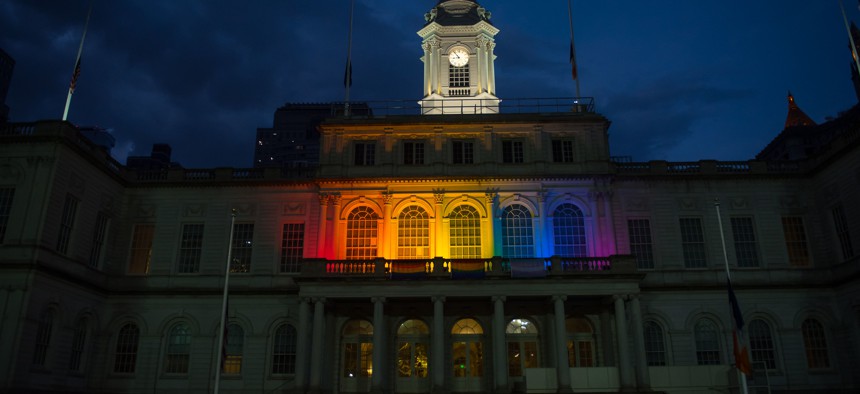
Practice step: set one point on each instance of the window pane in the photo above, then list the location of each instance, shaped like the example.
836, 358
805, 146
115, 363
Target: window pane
746, 248
235, 346
99, 233
517, 233
639, 231
413, 233
404, 359
6, 195
795, 241
43, 337
514, 359
292, 247
243, 245
465, 233
190, 248
141, 249
815, 344
67, 221
761, 344
841, 223
568, 225
361, 234
707, 343
178, 349
126, 349
655, 349
693, 243
284, 351
79, 339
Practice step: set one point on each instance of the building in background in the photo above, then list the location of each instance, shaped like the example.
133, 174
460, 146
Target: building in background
7, 66
463, 251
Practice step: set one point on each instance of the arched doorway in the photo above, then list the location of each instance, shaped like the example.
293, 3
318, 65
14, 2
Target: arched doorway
356, 356
522, 341
580, 343
467, 356
413, 337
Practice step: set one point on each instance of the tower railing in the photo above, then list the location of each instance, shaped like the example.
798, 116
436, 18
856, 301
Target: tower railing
468, 105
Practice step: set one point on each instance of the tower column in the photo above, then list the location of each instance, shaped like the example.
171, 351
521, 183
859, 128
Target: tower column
437, 65
500, 370
321, 238
437, 358
491, 74
562, 368
623, 345
317, 345
302, 344
481, 66
427, 69
376, 380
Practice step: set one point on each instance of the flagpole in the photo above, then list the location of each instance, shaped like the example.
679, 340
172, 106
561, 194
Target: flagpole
223, 324
742, 378
77, 68
347, 78
850, 38
572, 46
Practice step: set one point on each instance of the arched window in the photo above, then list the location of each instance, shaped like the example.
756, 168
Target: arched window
178, 349
284, 350
707, 342
412, 338
815, 343
79, 340
233, 351
127, 342
762, 349
413, 233
580, 342
467, 352
465, 234
522, 346
43, 337
517, 232
568, 229
655, 346
361, 234
357, 349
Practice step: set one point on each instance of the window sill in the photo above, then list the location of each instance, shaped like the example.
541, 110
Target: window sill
282, 377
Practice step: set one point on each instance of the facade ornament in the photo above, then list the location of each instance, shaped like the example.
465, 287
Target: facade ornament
484, 14
335, 198
490, 196
439, 195
482, 42
386, 197
324, 197
431, 16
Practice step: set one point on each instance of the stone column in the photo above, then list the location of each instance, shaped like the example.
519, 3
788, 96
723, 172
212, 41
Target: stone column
562, 367
500, 365
387, 236
317, 345
321, 235
480, 64
540, 230
437, 357
436, 65
302, 345
427, 69
643, 379
491, 249
377, 379
439, 197
624, 370
491, 75
334, 243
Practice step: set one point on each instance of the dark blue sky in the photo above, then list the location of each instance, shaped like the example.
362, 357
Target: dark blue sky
680, 80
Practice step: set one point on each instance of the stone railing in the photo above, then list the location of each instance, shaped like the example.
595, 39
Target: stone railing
709, 167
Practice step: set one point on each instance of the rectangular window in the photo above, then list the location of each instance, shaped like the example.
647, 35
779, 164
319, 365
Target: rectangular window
841, 223
6, 195
562, 151
464, 152
292, 245
746, 247
67, 221
243, 238
639, 231
458, 77
190, 248
413, 153
365, 153
512, 151
78, 341
99, 233
693, 243
141, 249
795, 241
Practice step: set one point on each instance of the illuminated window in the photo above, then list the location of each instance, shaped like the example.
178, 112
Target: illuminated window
99, 233
522, 346
413, 233
655, 346
242, 248
707, 342
746, 247
639, 231
233, 351
361, 234
458, 77
178, 349
413, 153
190, 248
693, 243
795, 241
6, 195
464, 152
562, 151
517, 232
125, 357
412, 338
141, 249
762, 349
815, 344
79, 340
568, 225
67, 221
512, 151
284, 351
841, 223
365, 153
43, 337
467, 353
580, 342
357, 349
292, 247
465, 233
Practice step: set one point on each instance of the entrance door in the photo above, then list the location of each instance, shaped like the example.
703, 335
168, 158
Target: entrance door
467, 356
412, 362
357, 356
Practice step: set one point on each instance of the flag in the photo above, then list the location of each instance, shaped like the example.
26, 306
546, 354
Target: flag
572, 62
347, 74
742, 360
75, 75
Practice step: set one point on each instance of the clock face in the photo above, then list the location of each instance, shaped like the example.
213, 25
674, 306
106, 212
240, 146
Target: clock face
458, 57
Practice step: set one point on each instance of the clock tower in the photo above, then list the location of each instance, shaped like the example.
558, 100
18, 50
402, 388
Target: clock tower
459, 76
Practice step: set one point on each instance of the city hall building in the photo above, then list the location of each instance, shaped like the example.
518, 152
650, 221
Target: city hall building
475, 245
